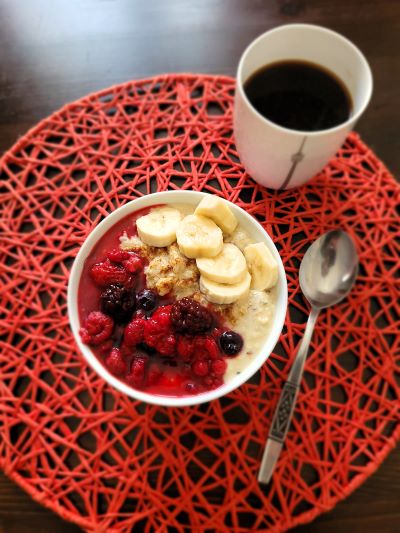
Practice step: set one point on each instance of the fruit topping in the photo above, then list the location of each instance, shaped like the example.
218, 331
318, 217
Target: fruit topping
134, 331
199, 236
222, 293
133, 264
158, 332
118, 302
262, 266
138, 370
158, 228
107, 273
188, 316
227, 267
97, 328
230, 342
218, 210
116, 363
147, 300
117, 255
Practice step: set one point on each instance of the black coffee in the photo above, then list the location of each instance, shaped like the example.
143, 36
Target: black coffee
299, 95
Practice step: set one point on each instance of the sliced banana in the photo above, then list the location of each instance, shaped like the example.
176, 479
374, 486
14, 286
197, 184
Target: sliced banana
222, 293
219, 211
198, 236
227, 267
158, 228
262, 266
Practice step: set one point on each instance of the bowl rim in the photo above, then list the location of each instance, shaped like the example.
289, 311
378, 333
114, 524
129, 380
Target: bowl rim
100, 229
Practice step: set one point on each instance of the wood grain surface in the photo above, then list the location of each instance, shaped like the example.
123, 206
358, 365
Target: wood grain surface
53, 52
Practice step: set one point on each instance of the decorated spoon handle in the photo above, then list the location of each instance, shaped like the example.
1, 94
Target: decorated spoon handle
287, 401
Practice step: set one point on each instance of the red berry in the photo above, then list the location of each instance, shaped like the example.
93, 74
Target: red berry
167, 346
185, 347
115, 363
158, 333
200, 368
133, 333
133, 263
107, 273
105, 347
205, 348
85, 336
163, 316
97, 328
212, 348
138, 370
117, 255
218, 367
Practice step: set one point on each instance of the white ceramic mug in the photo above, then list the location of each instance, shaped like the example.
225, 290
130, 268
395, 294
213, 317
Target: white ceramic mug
282, 158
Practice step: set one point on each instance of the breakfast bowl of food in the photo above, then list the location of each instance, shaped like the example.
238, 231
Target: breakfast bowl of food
177, 298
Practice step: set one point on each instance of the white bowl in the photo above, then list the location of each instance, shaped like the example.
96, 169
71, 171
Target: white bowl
254, 230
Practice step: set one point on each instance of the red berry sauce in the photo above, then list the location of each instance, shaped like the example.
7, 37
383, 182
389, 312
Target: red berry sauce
157, 345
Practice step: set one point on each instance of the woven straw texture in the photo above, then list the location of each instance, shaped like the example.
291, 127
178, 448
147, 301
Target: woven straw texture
109, 463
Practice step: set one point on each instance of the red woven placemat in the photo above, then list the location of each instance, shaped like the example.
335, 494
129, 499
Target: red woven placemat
109, 463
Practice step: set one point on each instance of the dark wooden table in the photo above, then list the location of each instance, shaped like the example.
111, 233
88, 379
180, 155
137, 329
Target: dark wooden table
54, 52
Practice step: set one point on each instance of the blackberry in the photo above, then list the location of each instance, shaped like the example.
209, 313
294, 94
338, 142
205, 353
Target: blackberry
188, 316
230, 342
118, 302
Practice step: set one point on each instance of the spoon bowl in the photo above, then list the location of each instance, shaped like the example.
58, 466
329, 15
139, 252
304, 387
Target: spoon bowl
329, 269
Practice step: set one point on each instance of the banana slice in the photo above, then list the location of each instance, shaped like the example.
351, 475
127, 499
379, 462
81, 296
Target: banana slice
262, 266
227, 267
222, 293
198, 236
218, 210
158, 228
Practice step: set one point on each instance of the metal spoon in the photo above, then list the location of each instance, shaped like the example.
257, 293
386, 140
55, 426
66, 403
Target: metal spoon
327, 273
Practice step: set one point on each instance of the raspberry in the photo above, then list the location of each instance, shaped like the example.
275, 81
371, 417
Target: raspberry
138, 370
116, 363
200, 368
133, 263
133, 333
118, 302
213, 382
105, 347
205, 348
158, 332
231, 342
107, 273
167, 346
117, 255
185, 347
218, 367
188, 316
147, 300
97, 328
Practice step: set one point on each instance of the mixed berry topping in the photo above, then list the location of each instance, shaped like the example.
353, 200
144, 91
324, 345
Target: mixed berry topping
118, 301
149, 342
188, 316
